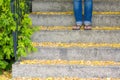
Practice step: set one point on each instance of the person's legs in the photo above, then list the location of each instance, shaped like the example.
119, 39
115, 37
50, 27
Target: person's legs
78, 11
88, 8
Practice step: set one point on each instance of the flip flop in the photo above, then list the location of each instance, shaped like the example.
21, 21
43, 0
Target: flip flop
76, 27
87, 27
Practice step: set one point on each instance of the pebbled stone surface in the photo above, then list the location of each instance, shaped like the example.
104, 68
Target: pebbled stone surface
68, 20
44, 71
97, 54
94, 36
67, 5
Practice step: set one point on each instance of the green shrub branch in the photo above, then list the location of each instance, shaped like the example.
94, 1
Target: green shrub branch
7, 26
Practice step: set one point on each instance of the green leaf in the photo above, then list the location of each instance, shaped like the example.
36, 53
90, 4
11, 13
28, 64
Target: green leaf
7, 26
1, 2
3, 64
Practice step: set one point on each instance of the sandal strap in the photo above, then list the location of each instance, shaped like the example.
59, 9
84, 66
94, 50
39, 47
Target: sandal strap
76, 27
88, 27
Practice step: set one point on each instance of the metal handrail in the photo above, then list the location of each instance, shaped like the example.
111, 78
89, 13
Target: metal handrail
17, 15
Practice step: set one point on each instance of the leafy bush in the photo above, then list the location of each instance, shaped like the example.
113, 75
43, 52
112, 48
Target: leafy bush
7, 26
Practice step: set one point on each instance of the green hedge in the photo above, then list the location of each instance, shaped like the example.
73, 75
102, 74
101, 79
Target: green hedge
7, 26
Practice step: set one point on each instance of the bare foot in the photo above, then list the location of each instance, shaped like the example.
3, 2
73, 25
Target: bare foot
76, 27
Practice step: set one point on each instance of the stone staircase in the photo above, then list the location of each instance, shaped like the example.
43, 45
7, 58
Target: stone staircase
64, 54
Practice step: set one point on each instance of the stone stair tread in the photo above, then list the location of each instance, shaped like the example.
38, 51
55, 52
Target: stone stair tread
63, 78
92, 36
37, 70
105, 54
66, 5
72, 13
68, 20
71, 62
69, 28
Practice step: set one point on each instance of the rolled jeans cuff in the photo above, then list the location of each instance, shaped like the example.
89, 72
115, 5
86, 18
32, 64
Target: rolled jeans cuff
87, 23
79, 23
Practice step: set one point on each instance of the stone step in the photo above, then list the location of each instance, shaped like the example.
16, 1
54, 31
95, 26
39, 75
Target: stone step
69, 28
104, 54
67, 5
71, 62
68, 20
94, 36
80, 71
63, 78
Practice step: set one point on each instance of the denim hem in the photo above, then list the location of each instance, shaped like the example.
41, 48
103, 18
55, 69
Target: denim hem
87, 23
79, 23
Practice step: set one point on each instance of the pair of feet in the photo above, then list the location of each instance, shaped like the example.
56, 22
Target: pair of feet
86, 27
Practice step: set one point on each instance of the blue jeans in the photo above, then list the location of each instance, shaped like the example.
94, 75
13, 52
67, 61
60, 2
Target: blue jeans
88, 8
